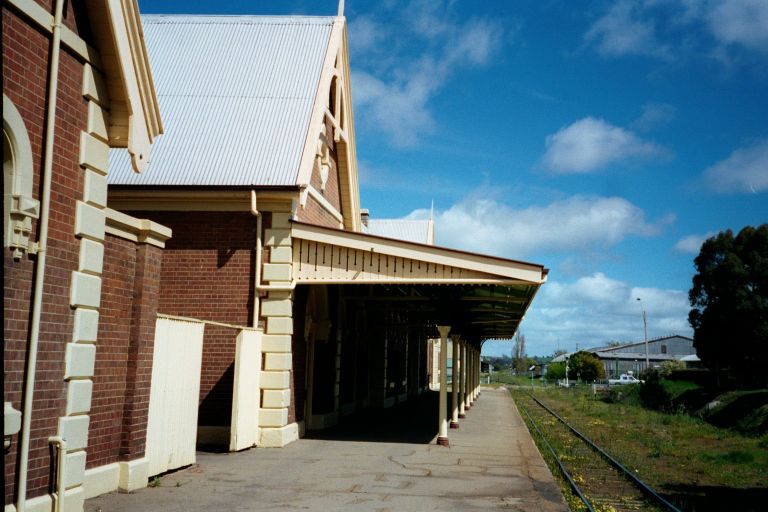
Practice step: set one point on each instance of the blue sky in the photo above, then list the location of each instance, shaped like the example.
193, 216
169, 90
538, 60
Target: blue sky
604, 140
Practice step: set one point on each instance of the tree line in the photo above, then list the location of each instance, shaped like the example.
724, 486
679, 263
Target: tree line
729, 305
729, 315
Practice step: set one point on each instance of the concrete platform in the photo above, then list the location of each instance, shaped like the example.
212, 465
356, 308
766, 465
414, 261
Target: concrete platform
491, 463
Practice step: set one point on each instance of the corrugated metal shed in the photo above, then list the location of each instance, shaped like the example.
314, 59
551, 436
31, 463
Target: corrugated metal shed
400, 229
235, 95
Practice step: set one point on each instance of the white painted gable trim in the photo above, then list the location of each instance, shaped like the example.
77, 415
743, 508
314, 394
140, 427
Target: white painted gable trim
143, 116
337, 48
318, 108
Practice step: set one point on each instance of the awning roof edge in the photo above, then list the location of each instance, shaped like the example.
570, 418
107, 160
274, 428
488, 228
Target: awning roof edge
506, 270
489, 300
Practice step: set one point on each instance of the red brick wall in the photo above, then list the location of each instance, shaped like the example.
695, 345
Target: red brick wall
146, 296
25, 63
217, 376
109, 381
129, 297
208, 265
207, 273
299, 355
332, 192
313, 213
74, 17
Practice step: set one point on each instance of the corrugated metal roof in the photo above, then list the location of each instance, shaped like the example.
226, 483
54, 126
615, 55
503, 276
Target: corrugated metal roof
235, 95
400, 229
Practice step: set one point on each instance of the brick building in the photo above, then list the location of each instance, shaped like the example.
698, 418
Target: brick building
270, 310
257, 178
75, 83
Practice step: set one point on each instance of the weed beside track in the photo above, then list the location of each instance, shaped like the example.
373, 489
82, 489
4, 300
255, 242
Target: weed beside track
694, 465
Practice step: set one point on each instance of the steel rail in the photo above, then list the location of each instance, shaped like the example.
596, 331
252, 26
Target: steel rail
641, 485
563, 469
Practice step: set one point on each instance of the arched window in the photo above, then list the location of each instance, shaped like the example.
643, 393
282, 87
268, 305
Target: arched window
19, 207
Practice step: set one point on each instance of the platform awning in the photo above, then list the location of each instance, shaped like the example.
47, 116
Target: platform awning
482, 297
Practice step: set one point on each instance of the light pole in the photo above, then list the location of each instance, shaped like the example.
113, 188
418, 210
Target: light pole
645, 334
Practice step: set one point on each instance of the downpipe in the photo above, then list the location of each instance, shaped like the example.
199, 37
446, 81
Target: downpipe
257, 271
42, 246
61, 445
258, 287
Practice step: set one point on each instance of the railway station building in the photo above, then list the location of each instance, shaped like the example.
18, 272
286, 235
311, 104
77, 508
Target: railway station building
76, 82
231, 293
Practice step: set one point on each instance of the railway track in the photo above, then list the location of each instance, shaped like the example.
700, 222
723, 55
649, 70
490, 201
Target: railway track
601, 483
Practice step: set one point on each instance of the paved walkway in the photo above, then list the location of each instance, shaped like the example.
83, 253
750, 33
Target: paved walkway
492, 463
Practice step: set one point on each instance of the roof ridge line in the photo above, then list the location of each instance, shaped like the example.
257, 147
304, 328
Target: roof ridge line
231, 96
234, 18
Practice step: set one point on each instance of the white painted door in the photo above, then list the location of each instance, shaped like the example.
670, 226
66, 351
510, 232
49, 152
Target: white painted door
174, 394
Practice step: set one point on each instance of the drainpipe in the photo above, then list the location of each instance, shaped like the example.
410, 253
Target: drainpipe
61, 444
258, 286
42, 244
257, 270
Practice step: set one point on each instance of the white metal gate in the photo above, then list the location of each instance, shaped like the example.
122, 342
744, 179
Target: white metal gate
246, 394
174, 394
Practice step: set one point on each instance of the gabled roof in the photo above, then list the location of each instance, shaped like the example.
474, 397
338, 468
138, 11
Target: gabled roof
123, 81
639, 356
236, 94
614, 350
622, 346
419, 231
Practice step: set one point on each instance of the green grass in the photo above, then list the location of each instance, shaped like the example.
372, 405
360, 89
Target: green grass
667, 450
676, 387
500, 378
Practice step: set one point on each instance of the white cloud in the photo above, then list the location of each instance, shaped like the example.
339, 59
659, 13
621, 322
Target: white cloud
691, 244
667, 29
594, 288
428, 18
365, 33
589, 144
654, 114
579, 223
742, 22
744, 171
596, 309
617, 297
398, 109
476, 44
624, 30
393, 97
400, 179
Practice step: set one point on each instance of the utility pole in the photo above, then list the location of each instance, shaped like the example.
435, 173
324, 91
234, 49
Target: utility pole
645, 335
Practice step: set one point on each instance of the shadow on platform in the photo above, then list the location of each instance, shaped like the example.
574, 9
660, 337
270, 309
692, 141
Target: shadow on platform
411, 422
